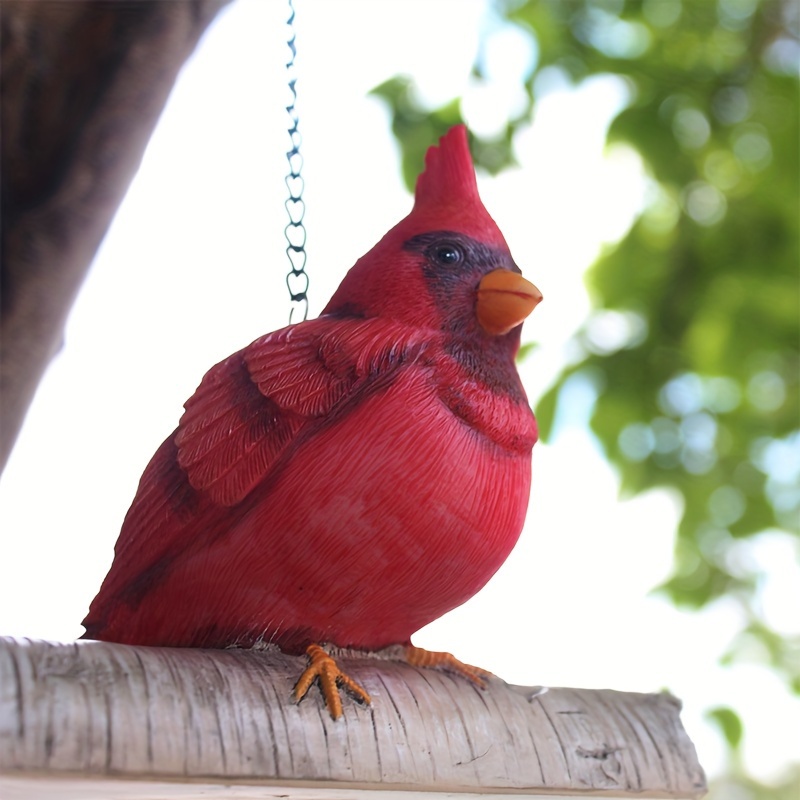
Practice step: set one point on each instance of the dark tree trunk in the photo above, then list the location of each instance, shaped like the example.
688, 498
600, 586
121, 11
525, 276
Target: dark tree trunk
83, 84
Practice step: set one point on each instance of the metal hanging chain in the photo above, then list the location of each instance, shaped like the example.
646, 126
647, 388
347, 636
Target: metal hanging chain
295, 232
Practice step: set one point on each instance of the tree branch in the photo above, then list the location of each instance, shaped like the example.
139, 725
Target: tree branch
97, 709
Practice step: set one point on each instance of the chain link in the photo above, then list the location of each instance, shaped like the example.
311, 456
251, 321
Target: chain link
295, 231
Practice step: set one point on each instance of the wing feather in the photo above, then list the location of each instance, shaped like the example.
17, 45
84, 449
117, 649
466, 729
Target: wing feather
250, 407
230, 433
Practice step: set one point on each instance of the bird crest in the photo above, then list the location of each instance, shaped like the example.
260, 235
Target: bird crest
446, 194
449, 175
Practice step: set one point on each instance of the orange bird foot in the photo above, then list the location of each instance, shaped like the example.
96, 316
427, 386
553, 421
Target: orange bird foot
418, 657
325, 668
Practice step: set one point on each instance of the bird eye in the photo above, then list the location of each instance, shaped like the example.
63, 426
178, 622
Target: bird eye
448, 254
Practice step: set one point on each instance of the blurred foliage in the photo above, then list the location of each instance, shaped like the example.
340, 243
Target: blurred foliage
736, 784
415, 128
693, 344
739, 786
729, 723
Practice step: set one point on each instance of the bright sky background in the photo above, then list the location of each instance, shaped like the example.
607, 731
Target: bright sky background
193, 269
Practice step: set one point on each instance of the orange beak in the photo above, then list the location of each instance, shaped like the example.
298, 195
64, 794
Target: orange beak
505, 299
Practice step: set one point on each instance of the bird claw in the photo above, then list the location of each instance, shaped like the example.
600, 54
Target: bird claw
418, 657
325, 668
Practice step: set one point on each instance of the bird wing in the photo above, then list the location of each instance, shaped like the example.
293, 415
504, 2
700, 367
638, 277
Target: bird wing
249, 409
249, 412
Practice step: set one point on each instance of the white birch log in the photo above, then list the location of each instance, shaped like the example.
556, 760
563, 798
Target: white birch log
92, 710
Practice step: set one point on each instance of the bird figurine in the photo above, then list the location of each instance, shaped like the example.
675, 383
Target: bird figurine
346, 480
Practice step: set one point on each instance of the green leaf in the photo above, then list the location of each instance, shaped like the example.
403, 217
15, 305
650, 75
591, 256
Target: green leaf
525, 350
729, 722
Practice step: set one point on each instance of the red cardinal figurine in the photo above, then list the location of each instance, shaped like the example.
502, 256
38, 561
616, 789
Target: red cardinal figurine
348, 479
